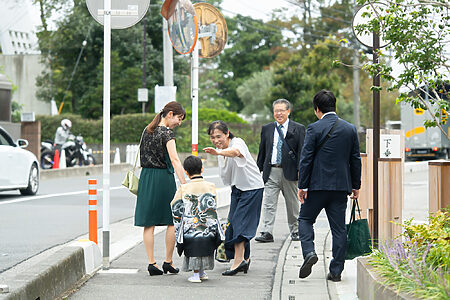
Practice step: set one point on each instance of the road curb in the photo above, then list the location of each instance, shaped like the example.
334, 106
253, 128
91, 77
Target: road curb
277, 282
54, 275
49, 278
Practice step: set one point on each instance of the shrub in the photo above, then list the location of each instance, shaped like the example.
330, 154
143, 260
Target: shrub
91, 130
420, 265
128, 128
209, 114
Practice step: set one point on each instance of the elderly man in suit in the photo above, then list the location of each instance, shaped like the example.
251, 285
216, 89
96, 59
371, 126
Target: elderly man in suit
330, 169
278, 156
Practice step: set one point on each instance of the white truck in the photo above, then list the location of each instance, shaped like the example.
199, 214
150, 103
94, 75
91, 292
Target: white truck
420, 142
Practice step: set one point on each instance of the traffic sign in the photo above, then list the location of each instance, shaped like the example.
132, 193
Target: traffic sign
364, 15
213, 31
143, 95
124, 13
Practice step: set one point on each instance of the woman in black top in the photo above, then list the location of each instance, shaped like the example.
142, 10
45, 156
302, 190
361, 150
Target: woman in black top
159, 160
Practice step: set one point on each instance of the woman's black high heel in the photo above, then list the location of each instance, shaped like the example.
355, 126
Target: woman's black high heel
243, 267
153, 270
167, 267
248, 266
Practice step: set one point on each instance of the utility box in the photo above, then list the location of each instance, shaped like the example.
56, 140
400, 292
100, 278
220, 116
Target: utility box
5, 99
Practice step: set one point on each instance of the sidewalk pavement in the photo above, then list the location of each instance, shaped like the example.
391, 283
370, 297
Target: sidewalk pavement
273, 273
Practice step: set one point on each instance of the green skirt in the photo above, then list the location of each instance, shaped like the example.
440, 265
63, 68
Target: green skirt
156, 190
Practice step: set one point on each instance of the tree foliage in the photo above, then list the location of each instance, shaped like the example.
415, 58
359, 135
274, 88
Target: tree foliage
418, 33
304, 74
83, 93
254, 93
252, 46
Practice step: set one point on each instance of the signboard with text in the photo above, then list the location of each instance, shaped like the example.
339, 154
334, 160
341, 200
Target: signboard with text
390, 146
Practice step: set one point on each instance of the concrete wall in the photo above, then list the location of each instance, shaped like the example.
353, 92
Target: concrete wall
370, 287
22, 71
13, 129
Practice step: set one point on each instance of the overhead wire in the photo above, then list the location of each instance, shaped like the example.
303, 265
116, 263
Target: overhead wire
275, 27
83, 45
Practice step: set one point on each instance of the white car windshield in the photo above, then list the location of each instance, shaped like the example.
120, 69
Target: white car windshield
5, 139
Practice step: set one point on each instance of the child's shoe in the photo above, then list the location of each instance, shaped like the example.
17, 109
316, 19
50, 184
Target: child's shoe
194, 278
203, 275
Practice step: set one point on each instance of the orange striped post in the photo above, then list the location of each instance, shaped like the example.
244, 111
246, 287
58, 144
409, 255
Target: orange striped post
93, 210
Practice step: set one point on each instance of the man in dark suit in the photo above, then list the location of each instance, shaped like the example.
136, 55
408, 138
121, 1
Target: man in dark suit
278, 161
330, 169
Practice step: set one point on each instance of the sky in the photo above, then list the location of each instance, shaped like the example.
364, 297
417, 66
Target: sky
257, 9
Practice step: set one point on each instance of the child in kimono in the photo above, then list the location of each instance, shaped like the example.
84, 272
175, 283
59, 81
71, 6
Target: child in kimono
197, 228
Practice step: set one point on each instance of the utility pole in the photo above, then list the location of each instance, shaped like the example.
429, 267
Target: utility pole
168, 56
144, 60
194, 97
106, 130
356, 98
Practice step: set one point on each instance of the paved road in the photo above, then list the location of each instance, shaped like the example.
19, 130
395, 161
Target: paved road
58, 214
415, 195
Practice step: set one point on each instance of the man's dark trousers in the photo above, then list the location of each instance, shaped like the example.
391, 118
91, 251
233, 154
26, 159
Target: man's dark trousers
335, 204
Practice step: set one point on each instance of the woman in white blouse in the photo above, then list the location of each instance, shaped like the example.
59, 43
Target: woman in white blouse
239, 170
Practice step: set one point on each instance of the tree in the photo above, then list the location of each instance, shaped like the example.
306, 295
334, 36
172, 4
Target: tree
83, 94
252, 46
306, 73
418, 33
254, 93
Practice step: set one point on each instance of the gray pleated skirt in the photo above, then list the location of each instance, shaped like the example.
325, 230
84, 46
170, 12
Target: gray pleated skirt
198, 263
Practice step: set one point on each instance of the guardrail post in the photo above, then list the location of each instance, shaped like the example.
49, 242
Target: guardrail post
93, 210
438, 185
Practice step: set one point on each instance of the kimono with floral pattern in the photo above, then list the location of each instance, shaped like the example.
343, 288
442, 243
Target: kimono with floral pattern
197, 227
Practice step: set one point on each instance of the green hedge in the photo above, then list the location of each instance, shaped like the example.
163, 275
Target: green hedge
209, 114
91, 130
127, 128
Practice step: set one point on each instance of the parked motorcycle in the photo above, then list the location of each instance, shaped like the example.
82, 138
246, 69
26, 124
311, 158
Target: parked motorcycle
75, 150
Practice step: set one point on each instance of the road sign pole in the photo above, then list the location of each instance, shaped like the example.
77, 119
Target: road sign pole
194, 96
376, 137
106, 130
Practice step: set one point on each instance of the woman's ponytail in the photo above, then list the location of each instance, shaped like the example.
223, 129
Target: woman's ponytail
172, 106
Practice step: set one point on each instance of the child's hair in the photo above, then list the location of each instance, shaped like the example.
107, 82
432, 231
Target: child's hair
193, 165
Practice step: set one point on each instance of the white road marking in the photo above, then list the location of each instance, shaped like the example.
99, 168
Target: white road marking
25, 199
119, 271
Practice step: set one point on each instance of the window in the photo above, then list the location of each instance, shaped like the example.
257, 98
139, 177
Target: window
5, 140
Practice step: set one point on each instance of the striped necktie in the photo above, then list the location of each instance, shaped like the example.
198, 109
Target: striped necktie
279, 145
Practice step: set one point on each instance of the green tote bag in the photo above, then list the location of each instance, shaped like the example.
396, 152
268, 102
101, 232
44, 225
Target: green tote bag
358, 235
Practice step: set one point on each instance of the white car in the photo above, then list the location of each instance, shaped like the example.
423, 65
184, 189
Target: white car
19, 168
